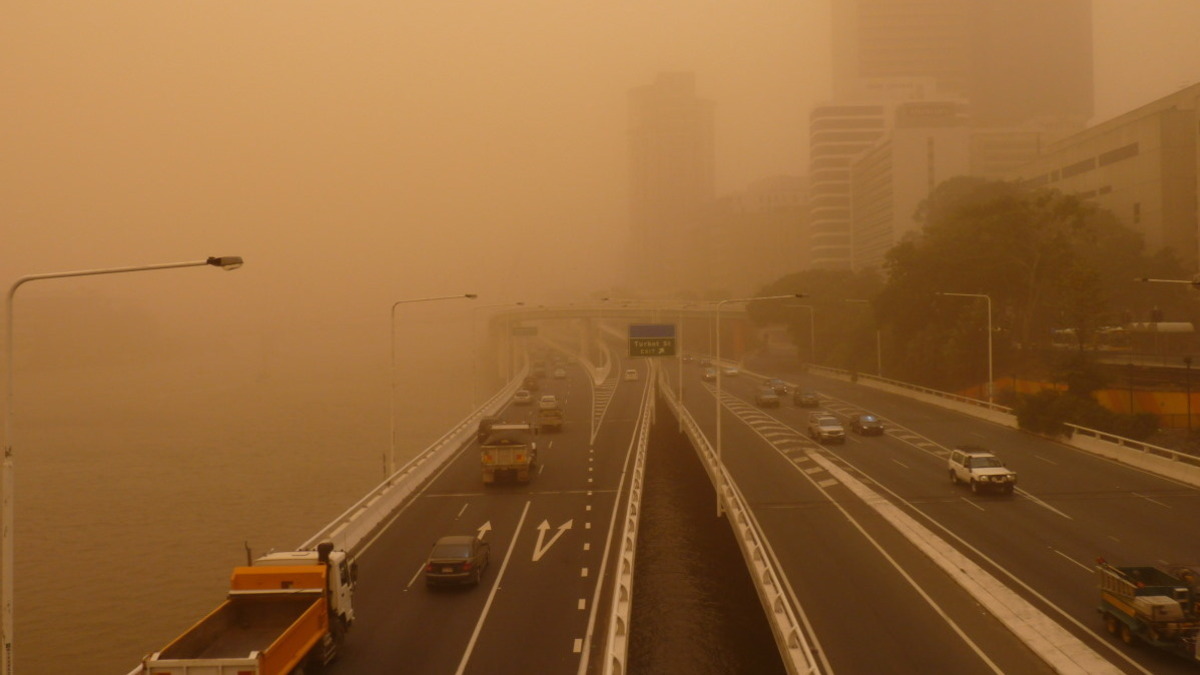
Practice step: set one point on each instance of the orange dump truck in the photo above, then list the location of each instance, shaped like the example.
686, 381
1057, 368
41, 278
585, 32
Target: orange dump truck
285, 612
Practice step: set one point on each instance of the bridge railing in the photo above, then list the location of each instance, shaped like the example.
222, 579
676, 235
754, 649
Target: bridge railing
358, 522
617, 645
766, 571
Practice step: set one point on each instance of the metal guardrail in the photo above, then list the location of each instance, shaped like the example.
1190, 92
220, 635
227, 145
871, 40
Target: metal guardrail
353, 526
616, 650
917, 389
766, 572
1141, 447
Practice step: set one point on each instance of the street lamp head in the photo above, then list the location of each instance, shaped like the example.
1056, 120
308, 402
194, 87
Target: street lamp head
226, 262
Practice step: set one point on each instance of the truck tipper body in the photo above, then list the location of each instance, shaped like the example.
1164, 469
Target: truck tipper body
509, 451
286, 611
1157, 606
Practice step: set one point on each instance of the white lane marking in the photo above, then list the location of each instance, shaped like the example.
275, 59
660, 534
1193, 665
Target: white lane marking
1042, 504
512, 545
1164, 505
1089, 569
846, 480
413, 580
1046, 460
1053, 643
582, 603
608, 540
538, 549
900, 463
583, 572
460, 511
972, 503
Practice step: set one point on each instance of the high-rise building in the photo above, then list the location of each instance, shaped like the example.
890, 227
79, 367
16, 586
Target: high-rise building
1012, 60
672, 182
1019, 70
837, 134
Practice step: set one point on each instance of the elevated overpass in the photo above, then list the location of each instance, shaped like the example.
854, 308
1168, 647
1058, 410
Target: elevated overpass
865, 557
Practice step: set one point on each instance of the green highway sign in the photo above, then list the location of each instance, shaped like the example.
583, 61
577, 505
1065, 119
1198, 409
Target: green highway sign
652, 340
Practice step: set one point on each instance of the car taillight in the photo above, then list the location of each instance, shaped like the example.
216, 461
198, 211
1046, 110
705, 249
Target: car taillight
467, 566
429, 567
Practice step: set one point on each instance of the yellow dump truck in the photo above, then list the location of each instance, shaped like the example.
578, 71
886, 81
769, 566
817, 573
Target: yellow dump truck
285, 612
509, 450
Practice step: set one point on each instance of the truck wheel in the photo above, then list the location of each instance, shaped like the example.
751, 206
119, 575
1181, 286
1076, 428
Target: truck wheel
1111, 624
1127, 635
975, 486
953, 477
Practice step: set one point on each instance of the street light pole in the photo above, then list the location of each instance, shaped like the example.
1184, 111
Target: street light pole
717, 362
391, 468
989, 332
6, 481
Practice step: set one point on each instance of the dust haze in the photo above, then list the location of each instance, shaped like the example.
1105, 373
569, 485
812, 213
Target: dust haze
354, 153
358, 153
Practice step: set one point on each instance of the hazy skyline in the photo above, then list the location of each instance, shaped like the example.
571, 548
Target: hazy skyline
373, 150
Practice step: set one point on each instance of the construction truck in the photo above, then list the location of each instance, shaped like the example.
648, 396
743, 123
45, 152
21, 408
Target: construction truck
1156, 606
509, 450
284, 613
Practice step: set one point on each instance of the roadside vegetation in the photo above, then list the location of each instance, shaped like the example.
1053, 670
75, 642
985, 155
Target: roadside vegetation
1050, 264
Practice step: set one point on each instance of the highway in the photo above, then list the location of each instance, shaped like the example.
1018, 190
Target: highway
888, 565
539, 606
858, 529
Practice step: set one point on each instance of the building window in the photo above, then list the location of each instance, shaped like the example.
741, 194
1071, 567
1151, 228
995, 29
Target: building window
1123, 152
1079, 167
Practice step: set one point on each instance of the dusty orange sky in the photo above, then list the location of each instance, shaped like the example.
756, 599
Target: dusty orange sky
412, 147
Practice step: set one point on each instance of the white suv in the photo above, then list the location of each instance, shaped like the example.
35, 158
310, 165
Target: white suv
981, 469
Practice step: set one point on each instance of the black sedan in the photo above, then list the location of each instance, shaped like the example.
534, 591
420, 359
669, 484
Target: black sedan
457, 559
866, 425
766, 398
806, 398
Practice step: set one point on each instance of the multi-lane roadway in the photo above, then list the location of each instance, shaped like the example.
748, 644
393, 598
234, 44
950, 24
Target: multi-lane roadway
540, 605
891, 567
895, 569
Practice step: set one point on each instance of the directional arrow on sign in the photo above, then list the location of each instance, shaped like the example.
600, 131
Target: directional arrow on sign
484, 529
538, 549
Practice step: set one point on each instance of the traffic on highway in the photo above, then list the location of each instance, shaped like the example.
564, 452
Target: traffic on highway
914, 536
520, 584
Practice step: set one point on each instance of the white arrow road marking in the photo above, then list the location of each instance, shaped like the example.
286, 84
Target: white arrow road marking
484, 529
538, 549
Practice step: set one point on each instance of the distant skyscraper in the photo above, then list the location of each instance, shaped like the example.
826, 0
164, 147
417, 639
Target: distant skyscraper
837, 134
1012, 60
1012, 65
672, 181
